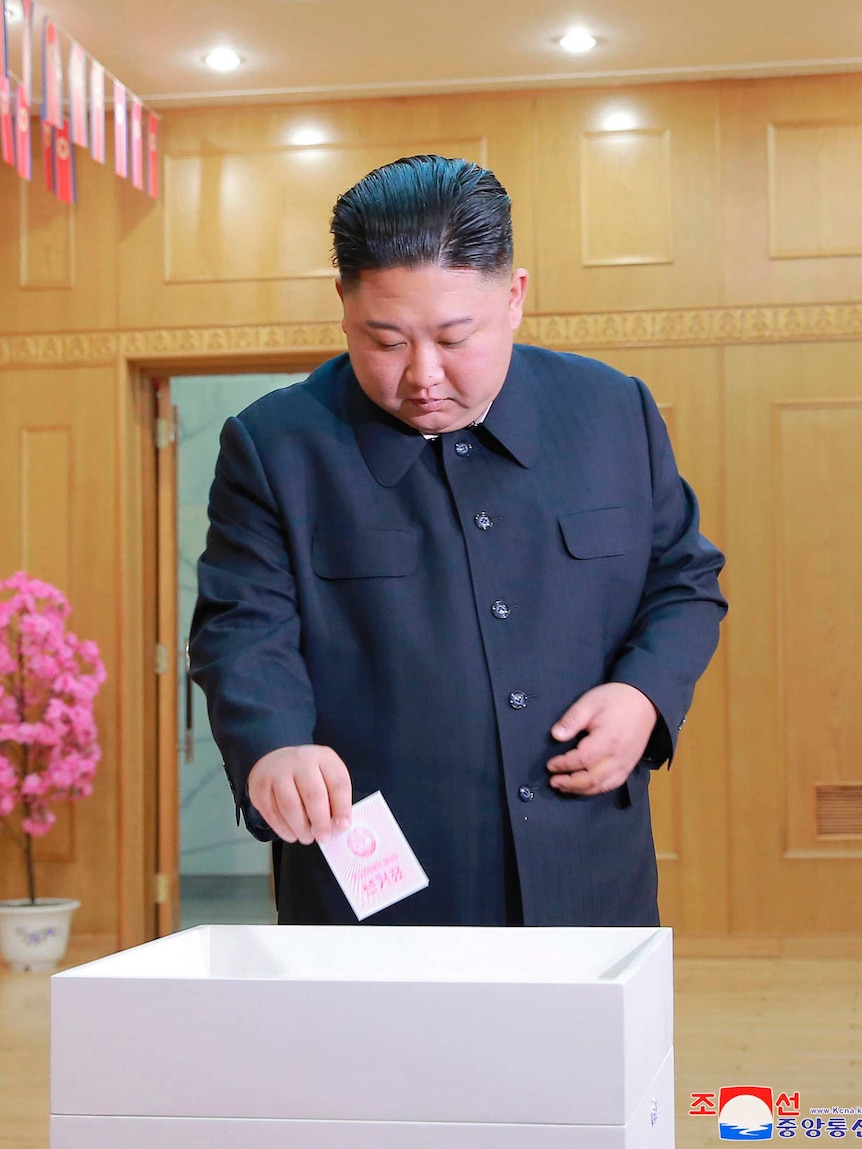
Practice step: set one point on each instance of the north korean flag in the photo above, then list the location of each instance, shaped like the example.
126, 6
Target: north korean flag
78, 94
64, 165
7, 121
48, 156
153, 155
24, 160
52, 76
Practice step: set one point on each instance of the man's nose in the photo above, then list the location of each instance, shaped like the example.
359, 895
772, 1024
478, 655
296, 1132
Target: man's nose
424, 368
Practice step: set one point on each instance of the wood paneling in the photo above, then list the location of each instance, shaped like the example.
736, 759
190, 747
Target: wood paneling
47, 518
809, 208
167, 687
256, 215
137, 632
57, 263
56, 520
47, 478
292, 280
749, 333
661, 201
815, 172
691, 801
794, 533
46, 239
818, 555
626, 208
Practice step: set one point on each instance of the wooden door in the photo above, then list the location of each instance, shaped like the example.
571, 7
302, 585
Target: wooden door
167, 891
794, 533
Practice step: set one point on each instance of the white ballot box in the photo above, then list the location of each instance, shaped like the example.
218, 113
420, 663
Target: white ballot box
269, 1037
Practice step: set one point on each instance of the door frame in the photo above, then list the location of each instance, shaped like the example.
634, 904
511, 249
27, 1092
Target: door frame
147, 828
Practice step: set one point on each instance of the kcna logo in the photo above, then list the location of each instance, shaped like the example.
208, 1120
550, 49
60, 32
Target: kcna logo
745, 1112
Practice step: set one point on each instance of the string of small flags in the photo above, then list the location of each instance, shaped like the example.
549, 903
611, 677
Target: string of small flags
136, 128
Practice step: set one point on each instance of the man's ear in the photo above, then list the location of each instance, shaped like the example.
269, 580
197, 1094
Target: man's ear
517, 295
339, 287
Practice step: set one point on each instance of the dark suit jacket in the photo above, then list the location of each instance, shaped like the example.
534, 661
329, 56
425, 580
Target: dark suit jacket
429, 609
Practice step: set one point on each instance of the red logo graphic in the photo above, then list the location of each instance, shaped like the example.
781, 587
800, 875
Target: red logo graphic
361, 842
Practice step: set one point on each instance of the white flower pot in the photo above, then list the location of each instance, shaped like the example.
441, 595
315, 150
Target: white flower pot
35, 937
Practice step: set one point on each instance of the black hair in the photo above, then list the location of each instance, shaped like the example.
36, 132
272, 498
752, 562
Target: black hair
423, 210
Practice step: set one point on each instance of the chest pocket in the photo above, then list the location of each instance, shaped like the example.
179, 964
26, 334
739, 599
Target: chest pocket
364, 552
595, 534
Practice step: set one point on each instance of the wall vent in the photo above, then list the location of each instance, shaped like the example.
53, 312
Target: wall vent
839, 810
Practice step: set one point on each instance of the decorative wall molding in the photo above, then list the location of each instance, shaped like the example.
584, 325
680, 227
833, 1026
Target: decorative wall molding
708, 327
87, 349
803, 323
271, 339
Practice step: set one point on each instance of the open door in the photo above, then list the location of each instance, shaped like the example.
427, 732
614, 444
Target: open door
167, 892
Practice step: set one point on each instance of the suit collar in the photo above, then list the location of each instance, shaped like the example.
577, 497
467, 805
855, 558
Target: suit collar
390, 447
514, 416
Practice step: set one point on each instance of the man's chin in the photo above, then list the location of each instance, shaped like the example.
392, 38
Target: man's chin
437, 419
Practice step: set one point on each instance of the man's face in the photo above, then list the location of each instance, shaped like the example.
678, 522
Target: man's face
431, 345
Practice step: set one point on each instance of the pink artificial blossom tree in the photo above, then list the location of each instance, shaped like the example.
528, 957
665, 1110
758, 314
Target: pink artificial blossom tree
49, 679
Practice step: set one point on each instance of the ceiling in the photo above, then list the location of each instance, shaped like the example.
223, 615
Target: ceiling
331, 49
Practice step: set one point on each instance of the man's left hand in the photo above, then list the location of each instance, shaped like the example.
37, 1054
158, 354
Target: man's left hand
616, 720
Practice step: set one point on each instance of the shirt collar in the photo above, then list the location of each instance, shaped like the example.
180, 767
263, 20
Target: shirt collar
514, 419
390, 447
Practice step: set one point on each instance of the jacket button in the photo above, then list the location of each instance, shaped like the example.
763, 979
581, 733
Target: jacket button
526, 794
500, 609
483, 521
463, 448
517, 700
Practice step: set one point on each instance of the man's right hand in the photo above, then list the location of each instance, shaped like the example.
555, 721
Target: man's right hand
303, 792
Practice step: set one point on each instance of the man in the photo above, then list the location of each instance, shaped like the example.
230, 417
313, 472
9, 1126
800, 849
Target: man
465, 575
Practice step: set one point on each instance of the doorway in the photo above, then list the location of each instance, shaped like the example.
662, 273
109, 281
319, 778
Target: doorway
214, 872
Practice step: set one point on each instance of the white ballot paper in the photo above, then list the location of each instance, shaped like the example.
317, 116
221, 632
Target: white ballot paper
372, 861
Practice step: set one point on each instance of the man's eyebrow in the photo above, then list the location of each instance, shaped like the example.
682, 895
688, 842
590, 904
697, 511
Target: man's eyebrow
379, 325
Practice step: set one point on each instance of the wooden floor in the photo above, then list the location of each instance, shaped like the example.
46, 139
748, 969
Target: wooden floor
787, 1023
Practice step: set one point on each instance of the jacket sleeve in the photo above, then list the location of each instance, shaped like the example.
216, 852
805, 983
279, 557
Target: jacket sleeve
245, 635
675, 631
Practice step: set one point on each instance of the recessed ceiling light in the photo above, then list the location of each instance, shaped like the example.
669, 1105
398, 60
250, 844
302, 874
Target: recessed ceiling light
619, 122
578, 40
223, 59
307, 137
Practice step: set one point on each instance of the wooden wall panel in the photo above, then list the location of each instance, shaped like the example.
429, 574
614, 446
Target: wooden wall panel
626, 205
57, 519
794, 526
47, 475
818, 478
763, 432
659, 273
292, 281
814, 205
46, 239
46, 517
691, 801
815, 172
256, 215
58, 264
